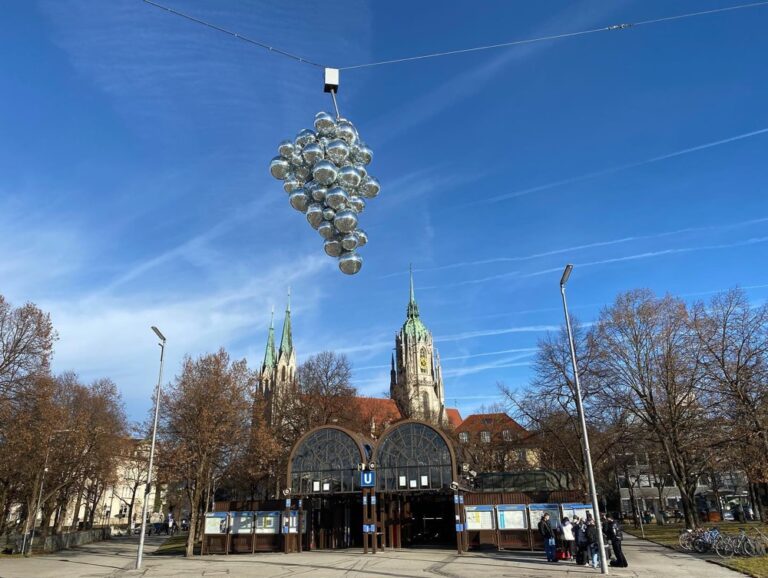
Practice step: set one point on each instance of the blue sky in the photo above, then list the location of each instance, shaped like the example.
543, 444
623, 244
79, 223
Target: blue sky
134, 188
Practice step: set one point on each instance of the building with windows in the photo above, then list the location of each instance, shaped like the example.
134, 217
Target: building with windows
494, 442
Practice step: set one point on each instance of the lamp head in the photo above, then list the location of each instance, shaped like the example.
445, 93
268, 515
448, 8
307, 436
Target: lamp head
158, 333
566, 275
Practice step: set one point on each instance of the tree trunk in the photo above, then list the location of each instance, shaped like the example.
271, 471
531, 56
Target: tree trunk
76, 511
689, 508
194, 500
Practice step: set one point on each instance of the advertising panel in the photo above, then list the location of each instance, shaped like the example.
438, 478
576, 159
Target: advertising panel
216, 523
511, 517
479, 517
242, 522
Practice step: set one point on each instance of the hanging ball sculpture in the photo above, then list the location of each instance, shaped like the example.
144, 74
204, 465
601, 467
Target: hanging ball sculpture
323, 171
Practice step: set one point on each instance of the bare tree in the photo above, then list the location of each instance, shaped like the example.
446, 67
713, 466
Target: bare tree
26, 342
206, 414
650, 366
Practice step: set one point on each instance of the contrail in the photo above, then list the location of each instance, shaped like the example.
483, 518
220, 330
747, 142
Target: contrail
594, 245
646, 255
619, 168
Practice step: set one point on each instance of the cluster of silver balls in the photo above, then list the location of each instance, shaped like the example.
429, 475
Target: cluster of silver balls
323, 172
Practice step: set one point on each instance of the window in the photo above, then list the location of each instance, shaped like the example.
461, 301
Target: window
507, 435
463, 437
485, 437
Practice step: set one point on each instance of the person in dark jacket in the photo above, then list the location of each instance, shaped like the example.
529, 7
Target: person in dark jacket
612, 531
545, 529
579, 532
593, 543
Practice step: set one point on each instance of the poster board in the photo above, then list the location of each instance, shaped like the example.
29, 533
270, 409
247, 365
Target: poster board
537, 511
511, 517
479, 517
575, 509
216, 523
241, 522
267, 522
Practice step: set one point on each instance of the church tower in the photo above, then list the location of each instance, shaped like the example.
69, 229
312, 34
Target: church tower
416, 382
277, 379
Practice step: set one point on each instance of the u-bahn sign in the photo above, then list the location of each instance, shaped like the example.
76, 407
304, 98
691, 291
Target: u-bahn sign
367, 479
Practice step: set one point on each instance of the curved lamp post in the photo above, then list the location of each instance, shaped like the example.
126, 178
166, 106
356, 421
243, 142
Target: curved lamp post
140, 551
582, 421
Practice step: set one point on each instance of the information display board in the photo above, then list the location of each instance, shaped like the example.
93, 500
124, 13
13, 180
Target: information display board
538, 510
479, 517
216, 523
580, 510
511, 517
242, 522
267, 522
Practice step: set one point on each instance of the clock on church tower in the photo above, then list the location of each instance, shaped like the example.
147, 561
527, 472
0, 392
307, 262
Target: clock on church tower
416, 382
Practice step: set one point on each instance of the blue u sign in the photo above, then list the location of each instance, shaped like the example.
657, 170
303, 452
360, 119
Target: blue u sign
367, 479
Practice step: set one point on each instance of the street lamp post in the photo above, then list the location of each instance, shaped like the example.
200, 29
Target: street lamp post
40, 493
140, 551
584, 435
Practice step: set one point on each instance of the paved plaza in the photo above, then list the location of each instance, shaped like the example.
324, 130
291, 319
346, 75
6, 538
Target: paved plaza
115, 558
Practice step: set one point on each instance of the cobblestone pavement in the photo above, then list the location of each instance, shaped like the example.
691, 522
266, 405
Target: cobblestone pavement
115, 558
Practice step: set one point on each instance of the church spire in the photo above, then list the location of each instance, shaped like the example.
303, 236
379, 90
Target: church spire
269, 355
413, 308
286, 341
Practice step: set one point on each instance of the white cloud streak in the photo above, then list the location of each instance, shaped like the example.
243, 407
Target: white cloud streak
616, 169
638, 256
587, 246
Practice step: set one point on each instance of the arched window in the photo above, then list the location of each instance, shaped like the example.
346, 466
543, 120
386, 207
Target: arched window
283, 373
425, 407
413, 456
325, 460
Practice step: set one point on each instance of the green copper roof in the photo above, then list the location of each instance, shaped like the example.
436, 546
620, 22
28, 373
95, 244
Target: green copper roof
269, 355
413, 327
286, 341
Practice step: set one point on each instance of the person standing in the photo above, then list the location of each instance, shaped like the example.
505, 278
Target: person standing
614, 534
545, 529
569, 540
593, 543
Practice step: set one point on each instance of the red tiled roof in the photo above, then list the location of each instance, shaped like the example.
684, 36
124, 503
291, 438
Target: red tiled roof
379, 409
454, 417
493, 422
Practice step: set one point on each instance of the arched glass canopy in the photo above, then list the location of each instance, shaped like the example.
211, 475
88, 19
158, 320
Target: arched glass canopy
325, 461
413, 456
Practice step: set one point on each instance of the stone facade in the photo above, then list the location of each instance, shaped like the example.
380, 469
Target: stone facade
277, 378
416, 382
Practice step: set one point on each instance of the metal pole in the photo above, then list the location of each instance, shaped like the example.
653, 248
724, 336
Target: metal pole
585, 436
140, 551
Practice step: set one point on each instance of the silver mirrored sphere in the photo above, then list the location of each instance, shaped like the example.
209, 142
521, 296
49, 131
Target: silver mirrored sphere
286, 148
336, 198
349, 241
291, 184
350, 263
345, 221
333, 247
279, 168
299, 200
318, 193
364, 155
362, 237
327, 230
348, 176
312, 153
363, 172
370, 187
325, 124
346, 131
328, 214
296, 159
324, 172
315, 215
305, 137
337, 150
356, 203
302, 172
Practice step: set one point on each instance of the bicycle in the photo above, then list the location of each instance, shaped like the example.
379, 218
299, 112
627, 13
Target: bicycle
706, 541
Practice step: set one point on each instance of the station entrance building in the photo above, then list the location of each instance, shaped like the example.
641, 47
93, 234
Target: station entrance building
412, 499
